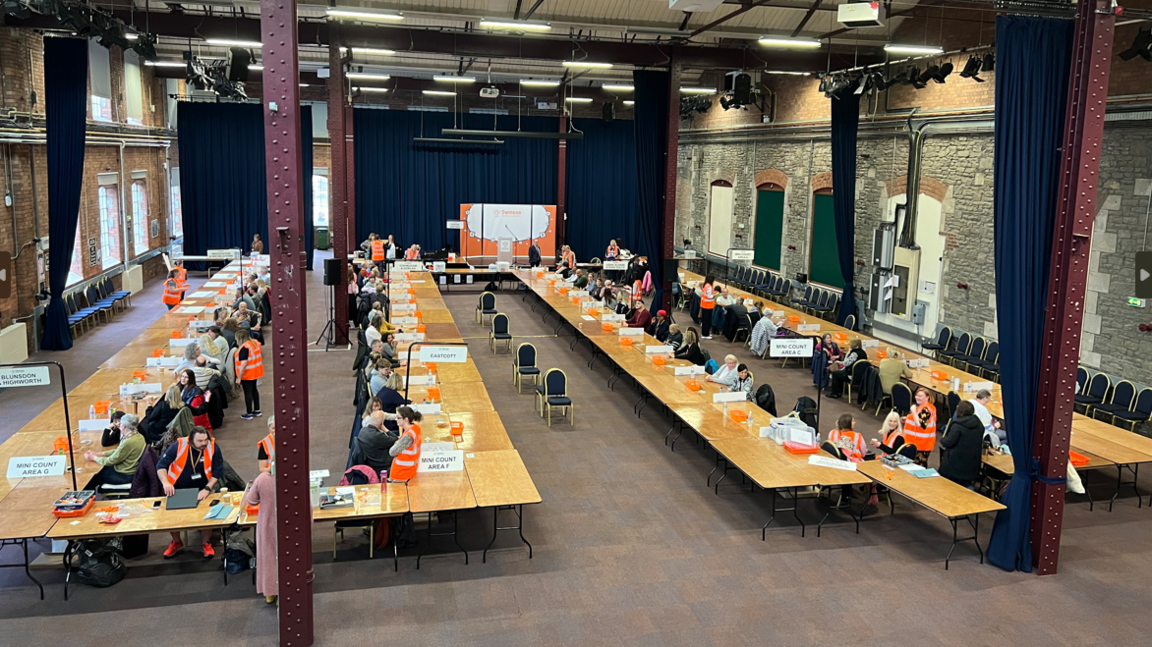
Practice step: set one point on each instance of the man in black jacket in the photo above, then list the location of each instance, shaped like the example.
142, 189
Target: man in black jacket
962, 444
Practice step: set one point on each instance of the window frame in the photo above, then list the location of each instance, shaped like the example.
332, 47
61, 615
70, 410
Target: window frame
811, 242
140, 225
111, 227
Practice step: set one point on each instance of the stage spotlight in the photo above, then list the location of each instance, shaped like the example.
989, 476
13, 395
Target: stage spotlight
1141, 46
943, 72
14, 8
989, 62
972, 69
145, 46
929, 73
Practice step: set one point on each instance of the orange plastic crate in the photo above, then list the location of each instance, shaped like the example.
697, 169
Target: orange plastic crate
739, 415
223, 290
421, 328
434, 393
592, 312
140, 374
457, 430
177, 334
60, 445
798, 448
659, 360
102, 406
418, 314
626, 341
563, 290
939, 375
882, 354
540, 275
159, 352
65, 514
552, 283
693, 385
607, 327
839, 336
431, 366
794, 319
575, 301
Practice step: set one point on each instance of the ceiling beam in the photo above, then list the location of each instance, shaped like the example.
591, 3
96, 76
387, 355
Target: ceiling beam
684, 23
719, 21
516, 16
533, 9
806, 18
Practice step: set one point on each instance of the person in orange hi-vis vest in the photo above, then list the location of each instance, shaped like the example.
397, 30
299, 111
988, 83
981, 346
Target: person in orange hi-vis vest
378, 251
266, 448
405, 451
920, 426
249, 369
848, 441
172, 295
188, 464
707, 305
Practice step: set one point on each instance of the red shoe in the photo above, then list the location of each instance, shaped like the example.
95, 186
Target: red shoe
208, 552
173, 548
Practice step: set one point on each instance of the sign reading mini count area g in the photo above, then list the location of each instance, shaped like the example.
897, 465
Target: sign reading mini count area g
28, 466
30, 376
444, 354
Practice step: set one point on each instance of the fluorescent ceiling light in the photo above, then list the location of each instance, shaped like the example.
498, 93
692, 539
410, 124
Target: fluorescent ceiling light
454, 79
698, 90
539, 83
515, 24
362, 14
364, 89
587, 64
369, 51
913, 49
800, 43
439, 93
131, 36
225, 42
629, 103
164, 64
579, 99
365, 75
618, 88
658, 31
786, 73
256, 66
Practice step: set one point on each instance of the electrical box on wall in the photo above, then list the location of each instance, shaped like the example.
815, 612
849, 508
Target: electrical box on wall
883, 243
919, 311
906, 269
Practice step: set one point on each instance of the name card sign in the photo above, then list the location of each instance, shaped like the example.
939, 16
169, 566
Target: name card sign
405, 307
430, 409
455, 224
410, 336
95, 424
428, 447
29, 376
826, 461
180, 344
729, 396
439, 266
689, 254
688, 370
407, 266
631, 332
399, 321
612, 317
918, 363
147, 387
578, 293
615, 265
973, 387
452, 461
224, 253
869, 343
30, 466
414, 380
444, 354
808, 328
191, 310
661, 349
791, 348
742, 254
588, 317
201, 325
162, 362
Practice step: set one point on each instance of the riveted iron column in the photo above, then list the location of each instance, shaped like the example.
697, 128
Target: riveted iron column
1068, 277
562, 184
668, 222
289, 356
350, 177
338, 213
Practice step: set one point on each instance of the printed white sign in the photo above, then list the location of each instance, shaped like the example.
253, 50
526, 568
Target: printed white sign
663, 350
631, 332
407, 266
612, 317
792, 347
742, 254
615, 265
588, 317
95, 424
414, 380
444, 354
432, 409
129, 389
30, 376
400, 321
808, 328
918, 363
827, 461
180, 343
689, 370
162, 362
439, 266
404, 306
729, 396
869, 343
203, 294
215, 284
191, 310
224, 253
689, 254
578, 293
455, 224
441, 461
410, 336
317, 474
437, 448
28, 466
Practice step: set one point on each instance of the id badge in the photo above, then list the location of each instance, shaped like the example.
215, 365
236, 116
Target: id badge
197, 477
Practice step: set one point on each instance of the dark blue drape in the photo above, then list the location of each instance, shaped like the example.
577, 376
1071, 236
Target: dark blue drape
603, 200
66, 98
411, 190
845, 119
651, 122
306, 163
1032, 63
223, 183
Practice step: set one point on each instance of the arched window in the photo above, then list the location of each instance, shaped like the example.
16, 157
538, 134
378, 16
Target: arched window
769, 225
823, 252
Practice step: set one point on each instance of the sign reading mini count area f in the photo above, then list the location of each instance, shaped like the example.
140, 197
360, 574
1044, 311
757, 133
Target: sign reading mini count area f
30, 376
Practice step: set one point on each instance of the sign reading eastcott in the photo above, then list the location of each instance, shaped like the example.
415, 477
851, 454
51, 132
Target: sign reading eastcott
444, 354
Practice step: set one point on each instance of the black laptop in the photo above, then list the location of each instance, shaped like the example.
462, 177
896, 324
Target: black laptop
183, 499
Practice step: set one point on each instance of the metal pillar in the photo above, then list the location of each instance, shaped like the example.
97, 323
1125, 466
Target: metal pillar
350, 177
289, 357
338, 212
668, 222
561, 185
1068, 277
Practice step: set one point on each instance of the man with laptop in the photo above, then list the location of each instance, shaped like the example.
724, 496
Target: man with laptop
185, 472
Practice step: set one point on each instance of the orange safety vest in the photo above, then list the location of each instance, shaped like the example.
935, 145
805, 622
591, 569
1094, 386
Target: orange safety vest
405, 463
377, 250
920, 427
890, 439
171, 292
850, 442
570, 259
182, 278
707, 297
269, 445
255, 368
410, 255
613, 251
637, 291
177, 466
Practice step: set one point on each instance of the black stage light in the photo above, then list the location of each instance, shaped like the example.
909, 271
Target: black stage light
989, 62
929, 72
943, 72
1141, 46
972, 69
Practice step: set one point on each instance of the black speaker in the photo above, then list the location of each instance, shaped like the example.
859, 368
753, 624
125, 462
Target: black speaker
609, 112
331, 271
742, 89
238, 61
801, 277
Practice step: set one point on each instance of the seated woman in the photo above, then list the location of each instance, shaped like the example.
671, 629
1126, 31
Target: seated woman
827, 351
388, 349
119, 465
195, 398
849, 442
739, 380
843, 374
390, 396
161, 414
111, 435
726, 369
964, 442
675, 338
658, 327
891, 439
690, 349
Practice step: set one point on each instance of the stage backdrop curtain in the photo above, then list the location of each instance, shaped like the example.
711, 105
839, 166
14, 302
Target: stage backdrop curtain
1032, 64
845, 119
66, 98
306, 163
603, 198
651, 123
411, 190
223, 183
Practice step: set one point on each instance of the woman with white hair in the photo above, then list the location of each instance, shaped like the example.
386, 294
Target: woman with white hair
723, 373
191, 352
119, 465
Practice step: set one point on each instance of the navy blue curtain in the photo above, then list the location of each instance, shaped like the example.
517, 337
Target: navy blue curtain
223, 183
411, 190
845, 119
66, 99
651, 122
1032, 64
306, 163
603, 198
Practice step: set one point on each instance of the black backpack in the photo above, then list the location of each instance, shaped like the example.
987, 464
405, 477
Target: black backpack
806, 409
491, 287
99, 563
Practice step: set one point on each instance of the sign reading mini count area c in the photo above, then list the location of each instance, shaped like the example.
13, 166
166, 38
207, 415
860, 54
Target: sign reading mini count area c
30, 376
444, 354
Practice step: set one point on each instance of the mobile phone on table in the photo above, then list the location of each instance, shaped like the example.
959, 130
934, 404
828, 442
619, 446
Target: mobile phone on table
156, 505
